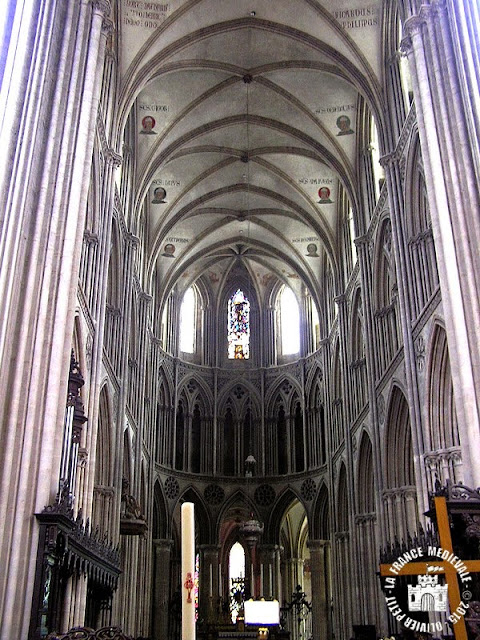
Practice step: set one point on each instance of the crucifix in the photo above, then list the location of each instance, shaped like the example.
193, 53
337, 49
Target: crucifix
447, 564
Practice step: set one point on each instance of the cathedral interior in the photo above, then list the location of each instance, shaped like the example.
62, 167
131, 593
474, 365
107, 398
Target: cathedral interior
239, 269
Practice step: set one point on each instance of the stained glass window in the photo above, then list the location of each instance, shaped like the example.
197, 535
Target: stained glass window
237, 579
238, 326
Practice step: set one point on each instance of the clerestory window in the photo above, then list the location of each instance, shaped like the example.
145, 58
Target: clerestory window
238, 329
289, 322
187, 322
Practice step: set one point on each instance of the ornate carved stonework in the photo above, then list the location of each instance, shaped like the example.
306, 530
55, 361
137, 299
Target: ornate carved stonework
86, 633
171, 488
132, 521
214, 494
264, 495
67, 546
308, 489
420, 353
381, 409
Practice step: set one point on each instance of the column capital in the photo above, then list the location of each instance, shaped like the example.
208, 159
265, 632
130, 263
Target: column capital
113, 158
438, 8
102, 7
342, 536
144, 297
405, 48
132, 240
389, 159
269, 548
107, 26
361, 241
213, 548
90, 237
317, 545
409, 493
413, 25
162, 544
365, 517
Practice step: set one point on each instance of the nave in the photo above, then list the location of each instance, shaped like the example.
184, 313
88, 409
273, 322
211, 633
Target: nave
239, 269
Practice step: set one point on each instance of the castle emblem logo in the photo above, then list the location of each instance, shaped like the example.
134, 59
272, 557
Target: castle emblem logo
427, 595
430, 594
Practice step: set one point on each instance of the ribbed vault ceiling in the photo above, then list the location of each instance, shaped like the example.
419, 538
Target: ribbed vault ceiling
245, 98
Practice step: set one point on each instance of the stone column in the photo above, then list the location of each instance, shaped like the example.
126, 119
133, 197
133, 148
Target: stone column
209, 586
411, 513
162, 550
308, 338
269, 347
434, 51
269, 554
52, 85
320, 590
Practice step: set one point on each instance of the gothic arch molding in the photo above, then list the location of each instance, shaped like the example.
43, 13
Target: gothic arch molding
279, 508
321, 526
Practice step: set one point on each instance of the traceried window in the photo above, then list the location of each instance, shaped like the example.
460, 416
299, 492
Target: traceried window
237, 579
289, 322
187, 322
378, 172
238, 326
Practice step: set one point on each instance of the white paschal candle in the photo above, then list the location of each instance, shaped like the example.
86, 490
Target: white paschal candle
188, 571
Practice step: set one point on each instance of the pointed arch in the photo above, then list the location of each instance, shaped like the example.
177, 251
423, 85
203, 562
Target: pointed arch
160, 520
203, 523
423, 272
277, 513
443, 458
288, 325
400, 496
385, 296
386, 279
280, 406
396, 68
366, 528
295, 555
337, 427
365, 476
358, 363
103, 490
239, 414
113, 299
328, 294
342, 543
398, 442
342, 501
283, 387
321, 525
298, 435
195, 389
315, 421
194, 425
238, 505
180, 442
245, 316
187, 321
